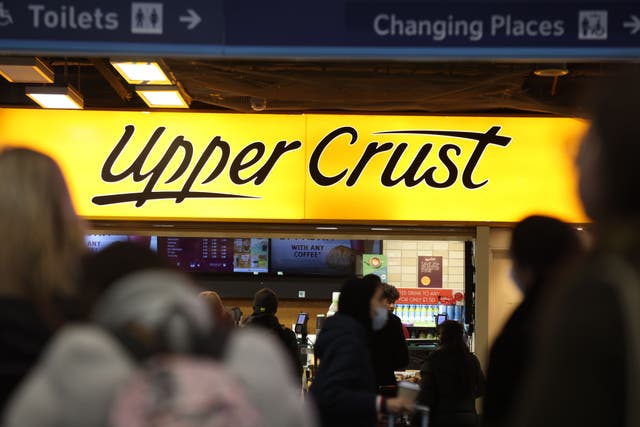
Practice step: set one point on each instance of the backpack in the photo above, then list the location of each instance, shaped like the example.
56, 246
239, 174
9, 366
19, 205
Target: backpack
183, 391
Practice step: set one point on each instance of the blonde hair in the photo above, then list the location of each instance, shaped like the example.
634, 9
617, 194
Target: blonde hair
42, 238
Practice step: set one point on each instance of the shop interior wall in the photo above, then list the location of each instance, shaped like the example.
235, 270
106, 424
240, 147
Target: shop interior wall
402, 258
504, 296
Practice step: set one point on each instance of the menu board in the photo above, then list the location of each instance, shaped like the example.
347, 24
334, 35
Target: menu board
97, 242
315, 256
216, 255
251, 255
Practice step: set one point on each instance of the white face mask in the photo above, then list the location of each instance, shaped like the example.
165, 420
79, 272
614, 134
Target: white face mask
379, 318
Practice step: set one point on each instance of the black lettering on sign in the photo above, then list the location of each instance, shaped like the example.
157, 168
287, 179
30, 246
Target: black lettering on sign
390, 177
184, 150
490, 137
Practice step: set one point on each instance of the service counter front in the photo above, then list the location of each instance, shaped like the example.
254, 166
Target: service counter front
420, 185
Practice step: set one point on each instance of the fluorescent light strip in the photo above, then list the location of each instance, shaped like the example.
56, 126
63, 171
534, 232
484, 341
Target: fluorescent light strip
163, 96
25, 70
56, 97
139, 72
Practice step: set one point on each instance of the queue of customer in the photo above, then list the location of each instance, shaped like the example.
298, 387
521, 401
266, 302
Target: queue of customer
118, 339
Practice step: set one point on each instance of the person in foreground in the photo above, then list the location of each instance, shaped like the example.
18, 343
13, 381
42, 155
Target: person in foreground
452, 380
541, 249
40, 255
344, 387
585, 370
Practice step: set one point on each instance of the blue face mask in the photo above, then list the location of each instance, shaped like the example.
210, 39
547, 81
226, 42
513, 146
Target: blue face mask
379, 318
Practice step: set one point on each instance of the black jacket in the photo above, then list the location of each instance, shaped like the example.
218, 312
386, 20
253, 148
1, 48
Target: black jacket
23, 336
344, 387
509, 361
285, 335
451, 382
389, 351
578, 375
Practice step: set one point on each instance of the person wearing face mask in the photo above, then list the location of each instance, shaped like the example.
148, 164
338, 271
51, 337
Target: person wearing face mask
389, 347
344, 387
541, 248
585, 370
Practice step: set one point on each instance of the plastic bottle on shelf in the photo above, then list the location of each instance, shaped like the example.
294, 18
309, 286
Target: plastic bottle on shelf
451, 312
401, 313
423, 313
412, 314
432, 315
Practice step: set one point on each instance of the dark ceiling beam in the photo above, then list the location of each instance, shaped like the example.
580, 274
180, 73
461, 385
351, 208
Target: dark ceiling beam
105, 70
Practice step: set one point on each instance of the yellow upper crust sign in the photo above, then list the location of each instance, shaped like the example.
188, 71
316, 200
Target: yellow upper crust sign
197, 166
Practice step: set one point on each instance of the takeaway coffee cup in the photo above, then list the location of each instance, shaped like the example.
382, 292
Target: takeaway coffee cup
408, 391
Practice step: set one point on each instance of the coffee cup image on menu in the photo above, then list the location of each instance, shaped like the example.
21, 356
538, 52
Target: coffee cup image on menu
341, 258
375, 262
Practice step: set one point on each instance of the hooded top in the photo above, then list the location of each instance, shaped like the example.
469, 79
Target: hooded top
74, 384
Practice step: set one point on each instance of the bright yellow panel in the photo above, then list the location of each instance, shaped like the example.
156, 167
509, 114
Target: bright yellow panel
294, 167
526, 169
82, 141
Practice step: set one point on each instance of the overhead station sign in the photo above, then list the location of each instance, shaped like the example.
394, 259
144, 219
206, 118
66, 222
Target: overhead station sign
332, 28
316, 168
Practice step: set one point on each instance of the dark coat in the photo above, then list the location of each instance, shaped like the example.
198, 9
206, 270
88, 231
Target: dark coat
23, 336
389, 352
509, 361
578, 375
451, 382
285, 335
344, 387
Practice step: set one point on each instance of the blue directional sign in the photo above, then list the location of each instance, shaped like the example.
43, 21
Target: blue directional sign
135, 27
324, 29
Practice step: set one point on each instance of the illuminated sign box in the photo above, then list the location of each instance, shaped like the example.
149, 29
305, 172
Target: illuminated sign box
243, 167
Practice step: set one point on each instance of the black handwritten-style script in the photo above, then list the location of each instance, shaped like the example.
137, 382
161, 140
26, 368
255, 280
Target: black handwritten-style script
262, 163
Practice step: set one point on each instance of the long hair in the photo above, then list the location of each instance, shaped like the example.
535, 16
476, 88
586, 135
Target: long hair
42, 238
452, 342
355, 300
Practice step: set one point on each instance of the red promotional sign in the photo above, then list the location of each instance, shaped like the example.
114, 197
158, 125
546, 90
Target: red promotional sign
425, 296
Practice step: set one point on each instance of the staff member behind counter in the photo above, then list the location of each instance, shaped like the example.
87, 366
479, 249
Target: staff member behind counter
388, 346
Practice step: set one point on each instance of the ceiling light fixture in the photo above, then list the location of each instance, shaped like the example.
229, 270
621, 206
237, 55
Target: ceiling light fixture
56, 97
381, 229
160, 96
326, 228
551, 70
25, 70
142, 72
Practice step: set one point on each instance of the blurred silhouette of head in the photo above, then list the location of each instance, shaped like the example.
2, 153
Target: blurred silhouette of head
120, 259
42, 237
356, 299
156, 312
608, 157
220, 314
541, 247
452, 336
265, 301
390, 295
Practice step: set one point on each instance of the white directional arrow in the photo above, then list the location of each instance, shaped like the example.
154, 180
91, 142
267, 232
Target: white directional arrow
193, 19
634, 24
